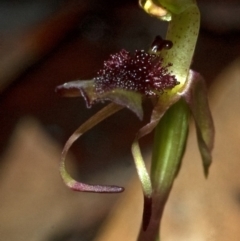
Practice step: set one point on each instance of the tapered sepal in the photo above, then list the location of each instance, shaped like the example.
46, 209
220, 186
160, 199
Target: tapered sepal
197, 99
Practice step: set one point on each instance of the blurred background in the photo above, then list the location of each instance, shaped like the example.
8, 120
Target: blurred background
44, 43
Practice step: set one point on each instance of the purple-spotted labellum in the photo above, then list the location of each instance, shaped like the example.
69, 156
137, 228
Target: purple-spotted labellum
140, 72
159, 44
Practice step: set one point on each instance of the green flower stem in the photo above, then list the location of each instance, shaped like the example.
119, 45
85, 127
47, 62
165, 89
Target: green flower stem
171, 131
169, 145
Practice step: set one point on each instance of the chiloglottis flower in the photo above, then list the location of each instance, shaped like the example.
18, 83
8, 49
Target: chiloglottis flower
126, 79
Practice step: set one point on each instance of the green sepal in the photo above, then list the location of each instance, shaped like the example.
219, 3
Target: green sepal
197, 99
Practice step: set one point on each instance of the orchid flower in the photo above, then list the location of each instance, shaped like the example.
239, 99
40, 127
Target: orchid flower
125, 79
163, 75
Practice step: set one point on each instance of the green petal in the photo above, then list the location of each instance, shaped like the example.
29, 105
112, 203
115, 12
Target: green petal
141, 169
90, 123
164, 102
85, 88
196, 97
130, 99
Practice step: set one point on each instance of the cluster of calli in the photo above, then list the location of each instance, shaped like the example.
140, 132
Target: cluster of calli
163, 74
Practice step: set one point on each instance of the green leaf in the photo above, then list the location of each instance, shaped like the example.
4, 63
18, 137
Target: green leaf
169, 145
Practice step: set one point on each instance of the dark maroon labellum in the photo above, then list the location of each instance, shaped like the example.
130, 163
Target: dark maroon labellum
158, 44
141, 72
